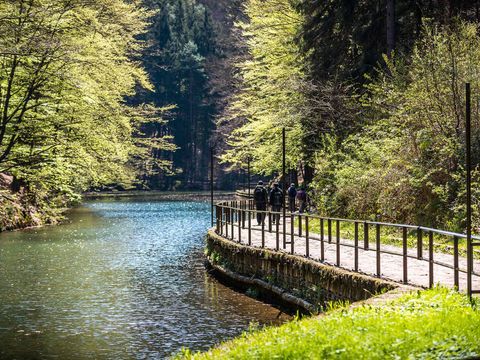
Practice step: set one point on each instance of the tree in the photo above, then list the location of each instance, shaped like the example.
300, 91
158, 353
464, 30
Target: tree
345, 39
271, 95
65, 70
406, 165
179, 39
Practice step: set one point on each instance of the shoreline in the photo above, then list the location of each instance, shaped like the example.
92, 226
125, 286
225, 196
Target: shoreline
175, 195
22, 218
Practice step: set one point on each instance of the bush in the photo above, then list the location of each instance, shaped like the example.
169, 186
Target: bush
407, 165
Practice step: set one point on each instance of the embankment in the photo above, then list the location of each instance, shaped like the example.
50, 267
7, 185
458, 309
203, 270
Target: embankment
298, 281
21, 208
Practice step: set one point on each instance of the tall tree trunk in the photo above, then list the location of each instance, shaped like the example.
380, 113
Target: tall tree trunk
390, 26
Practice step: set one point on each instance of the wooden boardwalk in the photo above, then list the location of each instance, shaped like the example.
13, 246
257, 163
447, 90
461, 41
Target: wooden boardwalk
391, 266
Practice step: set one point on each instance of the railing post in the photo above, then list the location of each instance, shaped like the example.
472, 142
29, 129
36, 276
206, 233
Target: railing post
239, 225
299, 225
232, 220
219, 219
244, 206
217, 213
419, 243
292, 239
270, 221
277, 228
263, 234
455, 263
379, 274
337, 235
307, 240
356, 247
365, 236
322, 240
227, 219
249, 228
329, 229
405, 255
430, 259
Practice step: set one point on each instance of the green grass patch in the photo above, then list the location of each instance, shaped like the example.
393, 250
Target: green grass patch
431, 324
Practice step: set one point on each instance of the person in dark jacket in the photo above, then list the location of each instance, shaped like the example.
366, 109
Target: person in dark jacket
302, 200
260, 196
292, 193
276, 201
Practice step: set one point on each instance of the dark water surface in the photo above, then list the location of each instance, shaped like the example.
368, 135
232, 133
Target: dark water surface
124, 280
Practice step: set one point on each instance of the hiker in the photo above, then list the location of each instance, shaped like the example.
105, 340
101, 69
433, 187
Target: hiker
276, 201
302, 199
260, 196
292, 193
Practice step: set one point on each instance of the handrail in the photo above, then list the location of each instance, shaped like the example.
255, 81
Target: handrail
234, 216
369, 222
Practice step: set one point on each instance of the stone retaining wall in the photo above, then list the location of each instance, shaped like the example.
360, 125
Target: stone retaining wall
305, 279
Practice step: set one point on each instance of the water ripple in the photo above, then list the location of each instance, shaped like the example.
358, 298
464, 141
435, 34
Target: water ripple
123, 280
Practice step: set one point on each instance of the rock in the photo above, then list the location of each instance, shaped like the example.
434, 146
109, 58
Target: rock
5, 181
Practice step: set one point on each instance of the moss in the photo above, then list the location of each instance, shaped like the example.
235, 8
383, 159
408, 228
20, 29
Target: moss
312, 281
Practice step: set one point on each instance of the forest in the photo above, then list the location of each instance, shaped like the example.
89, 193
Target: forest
372, 96
113, 94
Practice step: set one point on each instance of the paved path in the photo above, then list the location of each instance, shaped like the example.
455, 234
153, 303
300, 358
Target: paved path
391, 265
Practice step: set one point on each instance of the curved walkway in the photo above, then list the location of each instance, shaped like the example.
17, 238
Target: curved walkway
390, 260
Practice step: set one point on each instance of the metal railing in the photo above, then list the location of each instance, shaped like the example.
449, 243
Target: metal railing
235, 221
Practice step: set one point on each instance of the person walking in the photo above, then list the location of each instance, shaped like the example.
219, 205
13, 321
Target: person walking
260, 196
276, 201
302, 199
292, 193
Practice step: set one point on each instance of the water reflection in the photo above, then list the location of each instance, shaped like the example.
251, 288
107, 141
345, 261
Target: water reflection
125, 279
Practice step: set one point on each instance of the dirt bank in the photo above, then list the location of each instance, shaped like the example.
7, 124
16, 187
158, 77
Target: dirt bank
21, 208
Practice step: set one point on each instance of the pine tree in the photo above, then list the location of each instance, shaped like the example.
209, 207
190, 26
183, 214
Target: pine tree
180, 38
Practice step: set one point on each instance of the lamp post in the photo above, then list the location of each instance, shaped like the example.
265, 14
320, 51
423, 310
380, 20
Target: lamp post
468, 158
212, 149
248, 175
284, 148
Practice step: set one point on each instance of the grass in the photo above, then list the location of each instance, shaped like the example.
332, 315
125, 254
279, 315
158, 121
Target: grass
431, 324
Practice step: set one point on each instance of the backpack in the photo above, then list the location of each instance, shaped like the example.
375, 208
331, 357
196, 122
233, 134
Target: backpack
302, 195
292, 192
277, 198
259, 194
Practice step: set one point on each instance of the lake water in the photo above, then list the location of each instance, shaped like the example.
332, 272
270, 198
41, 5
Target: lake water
124, 279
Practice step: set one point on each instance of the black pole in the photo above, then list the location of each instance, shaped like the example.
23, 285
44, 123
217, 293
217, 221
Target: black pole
284, 167
468, 151
211, 182
284, 150
248, 171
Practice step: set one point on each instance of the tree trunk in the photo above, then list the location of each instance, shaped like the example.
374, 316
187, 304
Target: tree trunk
390, 26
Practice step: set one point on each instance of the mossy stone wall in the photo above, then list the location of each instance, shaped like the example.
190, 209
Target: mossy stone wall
312, 281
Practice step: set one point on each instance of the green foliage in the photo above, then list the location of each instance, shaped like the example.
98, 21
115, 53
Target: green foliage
65, 70
179, 41
430, 324
407, 164
343, 40
270, 97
